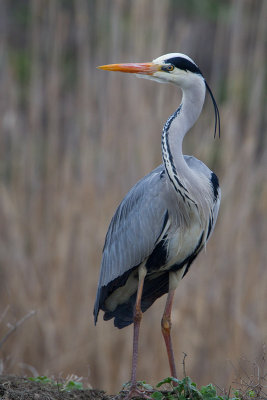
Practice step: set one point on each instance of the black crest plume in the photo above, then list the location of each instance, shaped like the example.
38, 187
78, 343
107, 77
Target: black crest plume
216, 111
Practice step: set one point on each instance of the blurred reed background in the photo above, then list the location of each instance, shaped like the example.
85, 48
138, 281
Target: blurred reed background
74, 139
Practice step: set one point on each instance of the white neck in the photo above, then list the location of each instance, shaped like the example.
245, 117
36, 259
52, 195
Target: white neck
191, 107
181, 176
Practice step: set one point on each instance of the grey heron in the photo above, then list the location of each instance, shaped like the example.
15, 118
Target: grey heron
166, 219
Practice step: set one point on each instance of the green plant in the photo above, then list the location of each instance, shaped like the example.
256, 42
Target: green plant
68, 385
43, 379
185, 389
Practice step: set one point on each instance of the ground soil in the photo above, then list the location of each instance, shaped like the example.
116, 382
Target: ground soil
18, 388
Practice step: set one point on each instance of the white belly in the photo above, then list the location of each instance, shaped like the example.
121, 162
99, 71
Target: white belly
183, 243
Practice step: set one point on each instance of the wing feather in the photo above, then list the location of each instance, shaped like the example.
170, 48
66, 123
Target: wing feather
134, 228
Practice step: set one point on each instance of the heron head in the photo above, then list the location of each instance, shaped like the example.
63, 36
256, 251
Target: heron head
175, 68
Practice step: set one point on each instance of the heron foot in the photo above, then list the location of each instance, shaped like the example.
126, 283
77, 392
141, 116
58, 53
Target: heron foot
137, 390
137, 393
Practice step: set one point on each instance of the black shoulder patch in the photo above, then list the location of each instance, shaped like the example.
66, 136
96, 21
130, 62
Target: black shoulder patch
215, 185
184, 64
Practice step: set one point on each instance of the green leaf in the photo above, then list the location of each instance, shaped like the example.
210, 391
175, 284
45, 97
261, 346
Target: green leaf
144, 385
157, 396
208, 392
167, 380
147, 386
74, 385
182, 397
42, 379
237, 395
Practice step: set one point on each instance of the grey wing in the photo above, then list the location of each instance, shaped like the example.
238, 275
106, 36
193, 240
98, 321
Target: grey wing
134, 228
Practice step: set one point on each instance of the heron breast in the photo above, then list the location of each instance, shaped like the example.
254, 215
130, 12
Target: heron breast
183, 243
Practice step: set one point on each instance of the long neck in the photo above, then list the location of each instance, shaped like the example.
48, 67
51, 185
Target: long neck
173, 134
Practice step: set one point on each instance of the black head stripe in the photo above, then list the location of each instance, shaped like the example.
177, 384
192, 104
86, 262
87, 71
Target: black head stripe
184, 64
216, 111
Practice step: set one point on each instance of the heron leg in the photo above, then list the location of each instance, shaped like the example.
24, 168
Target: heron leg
166, 331
174, 279
134, 390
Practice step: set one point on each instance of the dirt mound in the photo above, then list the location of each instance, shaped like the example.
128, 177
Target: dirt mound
17, 388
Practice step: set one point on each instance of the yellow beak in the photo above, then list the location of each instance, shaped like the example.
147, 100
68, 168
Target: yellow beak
136, 68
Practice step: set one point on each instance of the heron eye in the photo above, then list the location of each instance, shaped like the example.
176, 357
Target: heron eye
170, 67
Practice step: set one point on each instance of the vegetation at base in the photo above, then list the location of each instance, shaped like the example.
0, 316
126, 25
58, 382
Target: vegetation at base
186, 389
68, 385
167, 389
